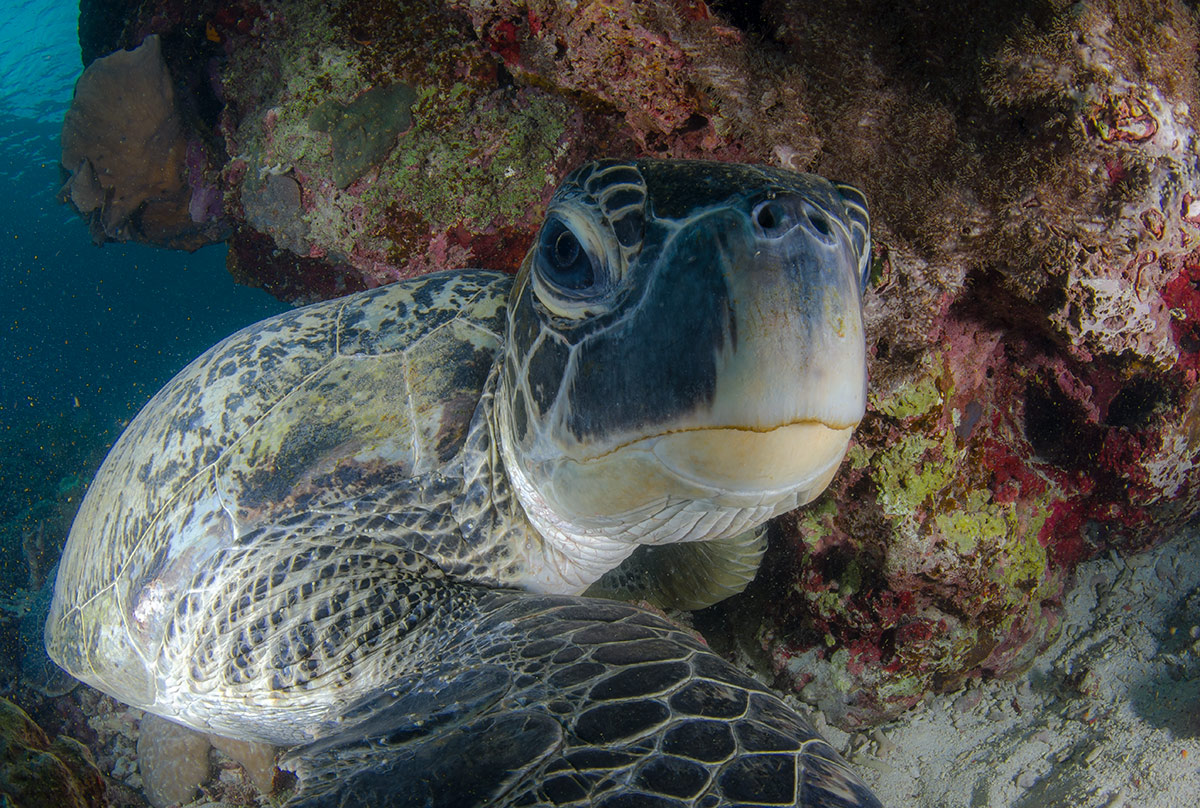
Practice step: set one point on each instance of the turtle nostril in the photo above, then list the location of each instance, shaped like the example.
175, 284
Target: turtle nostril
766, 218
819, 222
777, 216
773, 218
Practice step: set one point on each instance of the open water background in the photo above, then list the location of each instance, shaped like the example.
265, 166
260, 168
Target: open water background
87, 334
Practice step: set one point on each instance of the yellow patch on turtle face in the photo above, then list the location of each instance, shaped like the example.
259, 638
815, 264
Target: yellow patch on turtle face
737, 460
726, 466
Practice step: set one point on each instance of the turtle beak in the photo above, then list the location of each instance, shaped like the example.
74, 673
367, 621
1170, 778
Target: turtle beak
762, 472
797, 354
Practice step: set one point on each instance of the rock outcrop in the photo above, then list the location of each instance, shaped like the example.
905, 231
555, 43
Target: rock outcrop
36, 772
1033, 315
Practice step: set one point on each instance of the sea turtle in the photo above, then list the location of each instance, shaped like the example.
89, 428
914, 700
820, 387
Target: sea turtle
362, 529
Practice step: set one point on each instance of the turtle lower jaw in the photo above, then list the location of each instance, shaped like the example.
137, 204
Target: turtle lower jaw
767, 470
696, 484
740, 465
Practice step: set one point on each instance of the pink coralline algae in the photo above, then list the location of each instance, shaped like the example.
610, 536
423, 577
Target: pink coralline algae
1034, 309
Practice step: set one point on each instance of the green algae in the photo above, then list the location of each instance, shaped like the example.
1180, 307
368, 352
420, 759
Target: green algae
980, 522
287, 76
814, 522
470, 162
949, 525
1001, 540
909, 472
365, 130
858, 456
918, 396
1023, 563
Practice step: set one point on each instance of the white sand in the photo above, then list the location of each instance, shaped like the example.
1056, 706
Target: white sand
1108, 716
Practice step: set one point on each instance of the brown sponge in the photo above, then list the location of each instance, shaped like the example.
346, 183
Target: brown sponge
125, 148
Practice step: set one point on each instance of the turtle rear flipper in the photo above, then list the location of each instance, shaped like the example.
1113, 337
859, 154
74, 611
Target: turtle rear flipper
557, 700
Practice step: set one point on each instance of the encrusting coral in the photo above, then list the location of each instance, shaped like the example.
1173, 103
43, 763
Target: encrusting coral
36, 772
1034, 311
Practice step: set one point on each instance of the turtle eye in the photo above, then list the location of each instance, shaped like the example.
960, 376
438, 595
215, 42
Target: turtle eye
565, 262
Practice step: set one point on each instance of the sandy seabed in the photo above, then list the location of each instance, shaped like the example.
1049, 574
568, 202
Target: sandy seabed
1109, 715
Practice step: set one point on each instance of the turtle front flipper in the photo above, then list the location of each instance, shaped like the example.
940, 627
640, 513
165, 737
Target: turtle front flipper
687, 575
429, 740
558, 700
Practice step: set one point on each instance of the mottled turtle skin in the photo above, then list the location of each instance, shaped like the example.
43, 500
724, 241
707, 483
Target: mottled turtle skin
363, 529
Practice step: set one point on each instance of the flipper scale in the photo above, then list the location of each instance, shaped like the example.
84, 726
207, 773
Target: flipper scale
546, 700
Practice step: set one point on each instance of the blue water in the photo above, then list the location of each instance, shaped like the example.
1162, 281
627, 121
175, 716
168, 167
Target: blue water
39, 59
88, 334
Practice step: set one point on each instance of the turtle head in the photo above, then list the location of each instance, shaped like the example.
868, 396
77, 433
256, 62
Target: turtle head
685, 355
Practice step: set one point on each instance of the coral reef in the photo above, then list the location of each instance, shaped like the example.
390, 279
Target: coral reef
434, 138
36, 772
405, 151
1034, 310
684, 81
1034, 395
